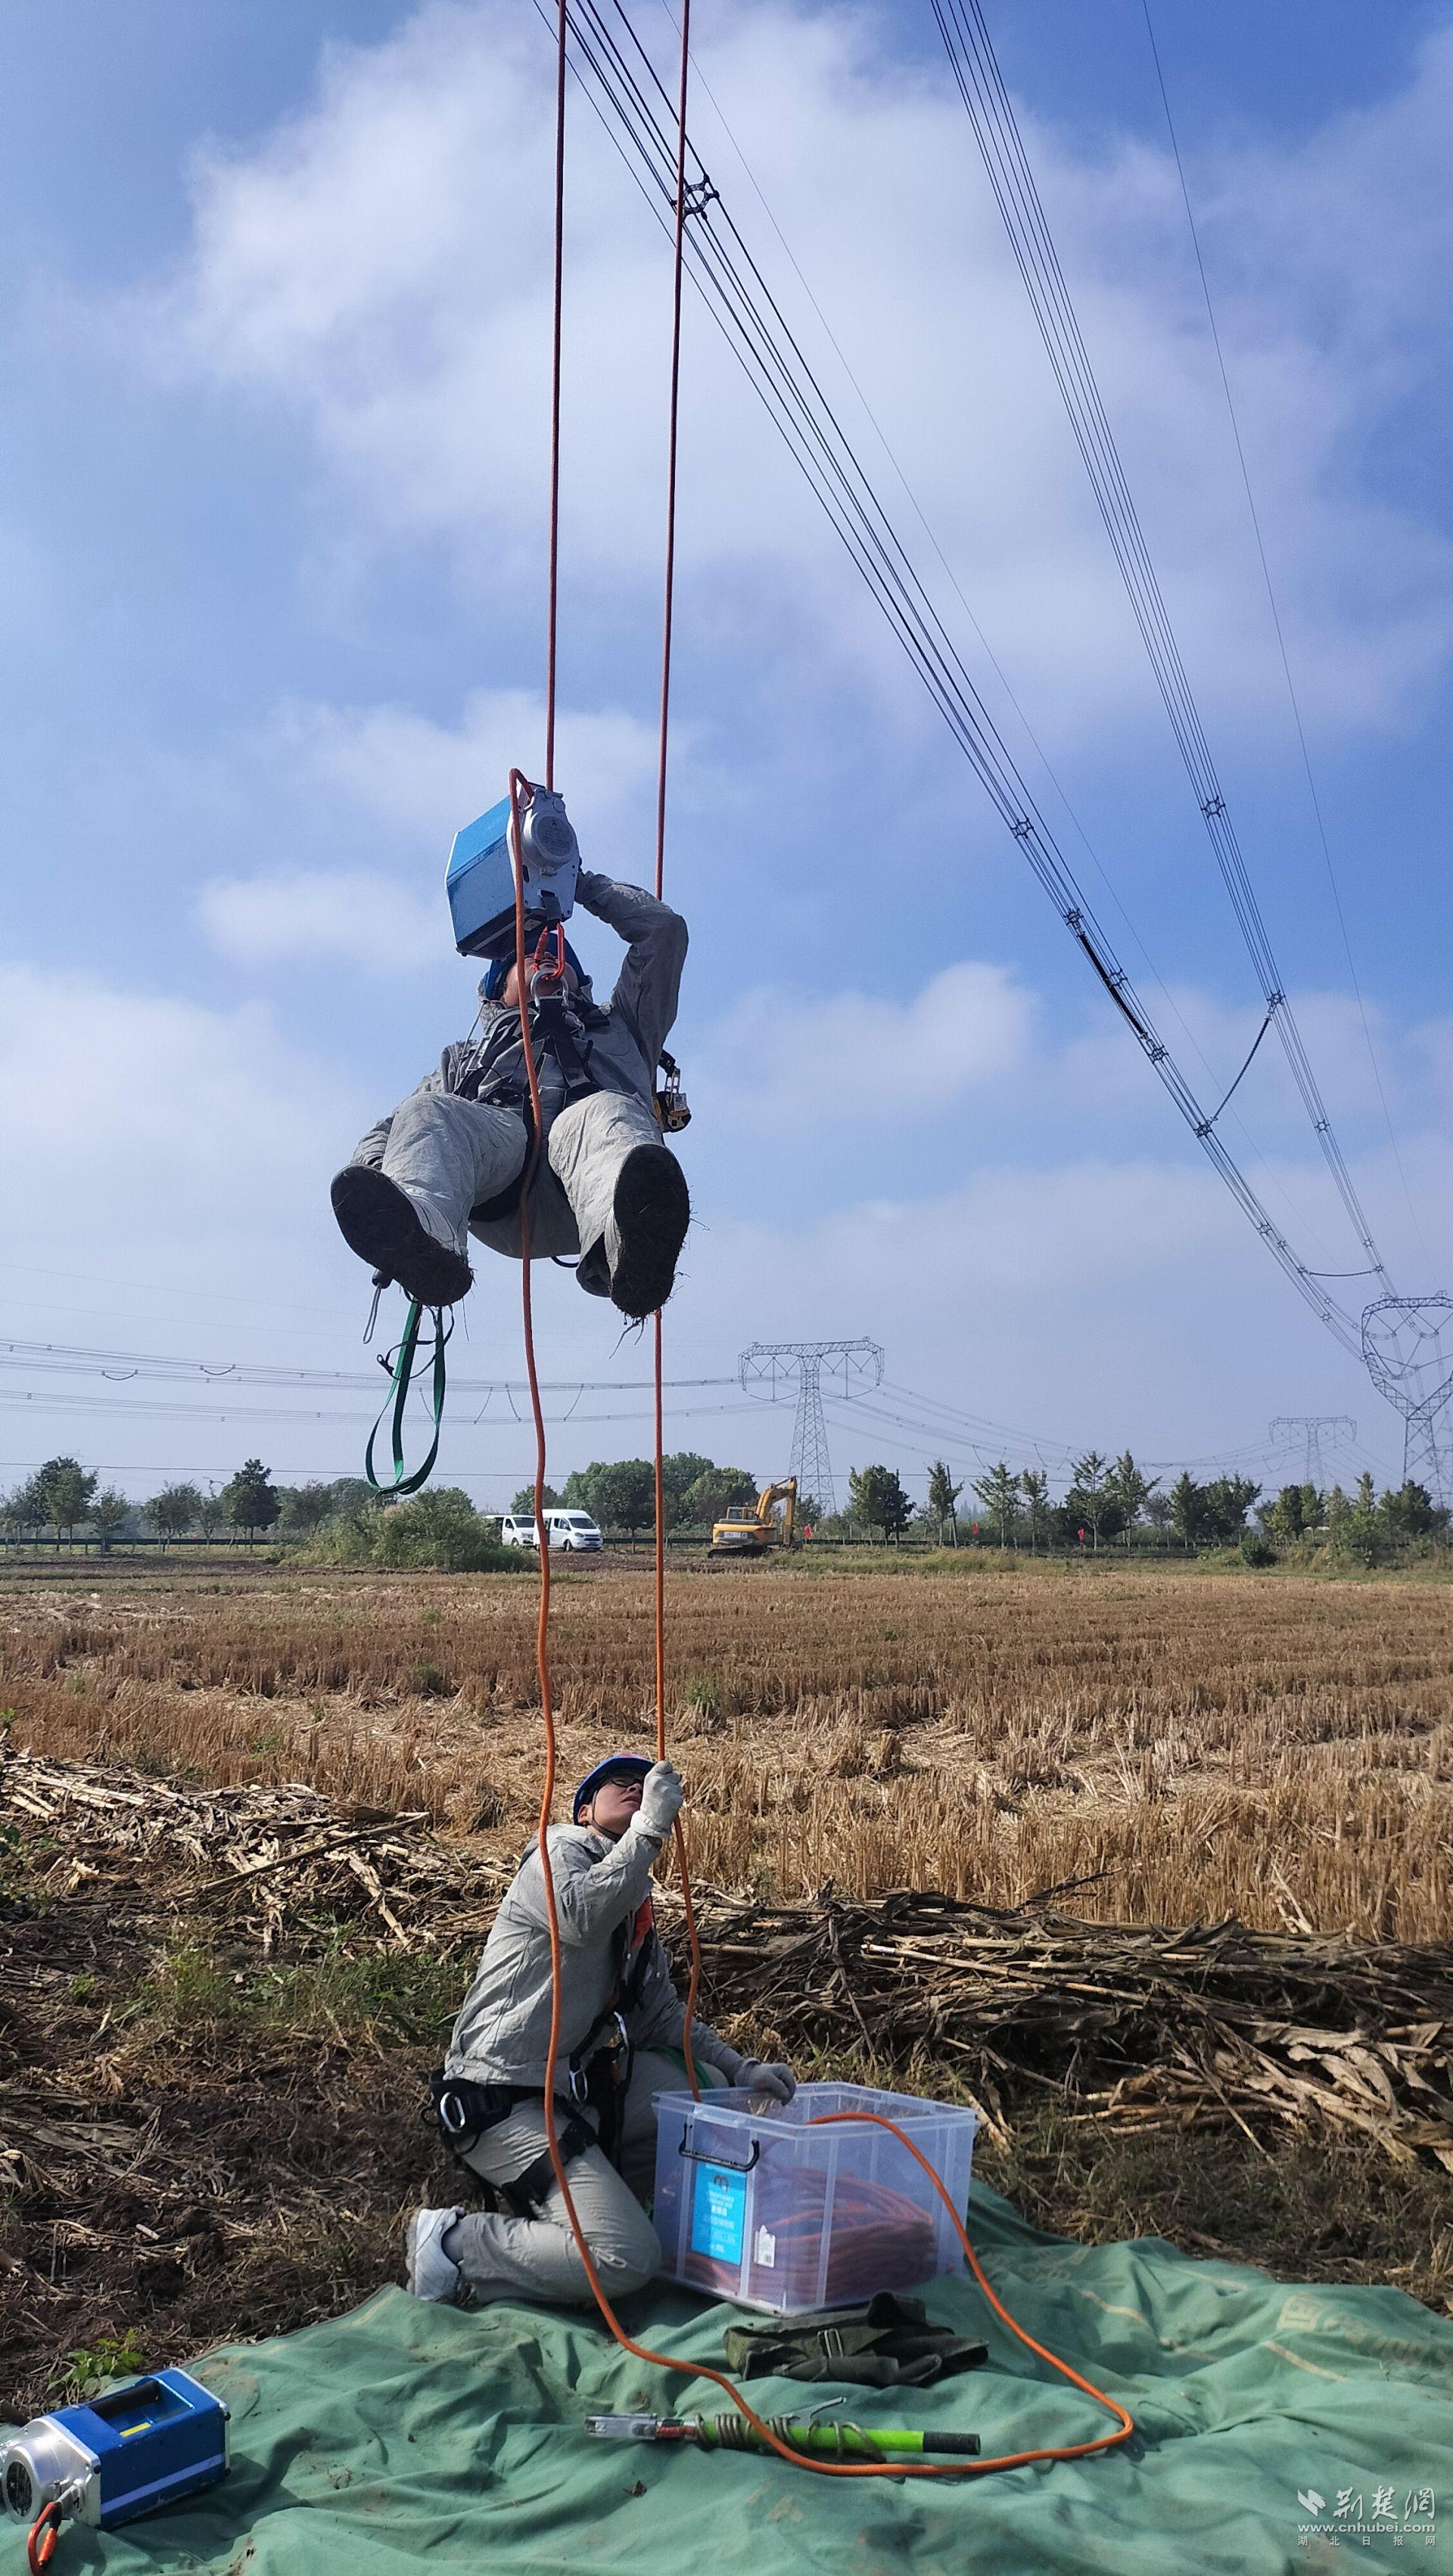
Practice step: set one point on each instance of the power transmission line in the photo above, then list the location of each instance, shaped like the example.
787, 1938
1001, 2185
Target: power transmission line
756, 329
75, 1359
1280, 633
990, 110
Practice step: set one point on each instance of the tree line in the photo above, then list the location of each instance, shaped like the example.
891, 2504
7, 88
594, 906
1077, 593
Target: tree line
1113, 1500
63, 1498
1107, 1502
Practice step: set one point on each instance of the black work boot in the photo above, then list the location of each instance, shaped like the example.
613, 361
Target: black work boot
380, 1223
652, 1210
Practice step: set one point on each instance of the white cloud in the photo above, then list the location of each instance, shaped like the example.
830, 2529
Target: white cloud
848, 1057
378, 268
366, 919
400, 785
197, 1141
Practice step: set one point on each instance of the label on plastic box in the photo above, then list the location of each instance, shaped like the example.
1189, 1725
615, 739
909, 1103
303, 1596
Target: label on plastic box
764, 2249
719, 2213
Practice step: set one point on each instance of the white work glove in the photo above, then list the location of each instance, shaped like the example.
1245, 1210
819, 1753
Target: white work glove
661, 1796
777, 2082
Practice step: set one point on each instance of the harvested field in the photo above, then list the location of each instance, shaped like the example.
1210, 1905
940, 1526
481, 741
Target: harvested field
1189, 1747
218, 2009
220, 1994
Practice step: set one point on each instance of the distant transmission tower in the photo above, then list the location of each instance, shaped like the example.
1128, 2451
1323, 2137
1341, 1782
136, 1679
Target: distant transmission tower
1407, 1343
1311, 1429
850, 1365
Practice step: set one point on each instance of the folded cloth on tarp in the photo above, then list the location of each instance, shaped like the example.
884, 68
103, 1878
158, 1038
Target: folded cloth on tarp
888, 2343
1271, 2420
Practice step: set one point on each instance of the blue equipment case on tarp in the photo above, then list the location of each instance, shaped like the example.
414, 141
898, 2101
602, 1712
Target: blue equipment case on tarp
125, 2452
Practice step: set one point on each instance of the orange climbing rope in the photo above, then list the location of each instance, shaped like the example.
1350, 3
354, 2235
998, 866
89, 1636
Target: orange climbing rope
897, 2468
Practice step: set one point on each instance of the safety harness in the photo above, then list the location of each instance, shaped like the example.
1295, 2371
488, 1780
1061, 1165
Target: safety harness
599, 2078
560, 1033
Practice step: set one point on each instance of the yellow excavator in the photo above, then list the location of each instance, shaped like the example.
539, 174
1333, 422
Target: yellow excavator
750, 1530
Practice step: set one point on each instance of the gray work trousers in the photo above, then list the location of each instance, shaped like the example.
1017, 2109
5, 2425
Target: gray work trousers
452, 1156
537, 2258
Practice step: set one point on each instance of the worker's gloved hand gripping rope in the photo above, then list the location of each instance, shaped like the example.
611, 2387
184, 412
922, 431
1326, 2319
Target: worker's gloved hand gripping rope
766, 2435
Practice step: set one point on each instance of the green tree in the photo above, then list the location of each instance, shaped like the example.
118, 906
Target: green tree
1339, 1516
1224, 1506
998, 1492
25, 1509
1366, 1534
876, 1500
305, 1508
172, 1512
68, 1488
620, 1493
1411, 1512
1089, 1500
109, 1512
249, 1501
1128, 1491
523, 1506
712, 1495
680, 1471
1034, 1486
1187, 1508
943, 1495
210, 1515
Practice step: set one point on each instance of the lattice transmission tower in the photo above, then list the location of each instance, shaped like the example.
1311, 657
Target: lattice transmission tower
850, 1366
1407, 1343
1308, 1431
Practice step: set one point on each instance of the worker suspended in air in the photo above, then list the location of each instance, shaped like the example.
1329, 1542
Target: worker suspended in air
451, 1160
620, 2016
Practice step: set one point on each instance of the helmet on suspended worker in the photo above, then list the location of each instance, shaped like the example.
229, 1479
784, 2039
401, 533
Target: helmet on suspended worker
453, 1160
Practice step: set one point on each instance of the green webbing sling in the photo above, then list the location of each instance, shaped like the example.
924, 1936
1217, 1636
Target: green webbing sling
402, 1364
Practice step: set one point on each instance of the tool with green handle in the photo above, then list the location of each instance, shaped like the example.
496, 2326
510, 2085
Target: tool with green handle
823, 2441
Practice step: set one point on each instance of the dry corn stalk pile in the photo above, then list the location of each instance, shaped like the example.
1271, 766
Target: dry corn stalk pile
1138, 2027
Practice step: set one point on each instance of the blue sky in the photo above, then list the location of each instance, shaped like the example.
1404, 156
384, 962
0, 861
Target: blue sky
273, 296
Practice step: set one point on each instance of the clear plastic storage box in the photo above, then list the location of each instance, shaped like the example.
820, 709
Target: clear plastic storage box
759, 2206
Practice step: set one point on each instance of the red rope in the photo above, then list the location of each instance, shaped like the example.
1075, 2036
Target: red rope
518, 784
552, 621
667, 627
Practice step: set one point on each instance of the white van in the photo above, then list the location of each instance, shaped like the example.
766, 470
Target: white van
573, 1530
570, 1530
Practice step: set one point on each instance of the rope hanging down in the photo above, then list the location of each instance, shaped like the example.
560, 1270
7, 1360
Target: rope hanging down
770, 2439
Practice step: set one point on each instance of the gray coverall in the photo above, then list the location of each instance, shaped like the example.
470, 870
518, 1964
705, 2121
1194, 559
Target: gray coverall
454, 1151
500, 2037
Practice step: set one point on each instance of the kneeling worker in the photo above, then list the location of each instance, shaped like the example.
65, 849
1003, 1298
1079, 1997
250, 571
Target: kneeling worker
619, 2015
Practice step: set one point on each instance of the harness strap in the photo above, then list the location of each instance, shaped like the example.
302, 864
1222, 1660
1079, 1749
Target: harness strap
401, 1362
466, 2112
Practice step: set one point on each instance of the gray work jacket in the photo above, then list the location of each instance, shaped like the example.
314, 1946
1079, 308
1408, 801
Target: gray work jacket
621, 1045
503, 2027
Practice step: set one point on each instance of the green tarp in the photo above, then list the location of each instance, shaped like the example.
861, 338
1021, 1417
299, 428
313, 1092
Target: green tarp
1279, 2427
